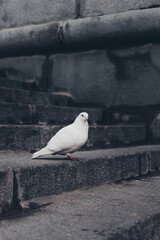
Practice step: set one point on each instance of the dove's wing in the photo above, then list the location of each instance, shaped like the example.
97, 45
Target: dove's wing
69, 139
64, 140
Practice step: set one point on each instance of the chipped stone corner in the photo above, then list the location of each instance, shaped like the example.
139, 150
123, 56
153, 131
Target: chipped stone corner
6, 189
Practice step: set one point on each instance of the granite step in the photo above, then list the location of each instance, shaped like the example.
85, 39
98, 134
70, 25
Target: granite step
31, 137
13, 83
34, 97
27, 183
128, 114
125, 211
16, 113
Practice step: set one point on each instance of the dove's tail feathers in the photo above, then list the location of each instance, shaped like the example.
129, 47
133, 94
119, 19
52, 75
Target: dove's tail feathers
43, 151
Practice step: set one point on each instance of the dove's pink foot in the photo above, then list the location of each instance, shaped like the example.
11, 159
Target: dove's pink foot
71, 158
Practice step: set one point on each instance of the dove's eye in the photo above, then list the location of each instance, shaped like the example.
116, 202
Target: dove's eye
82, 115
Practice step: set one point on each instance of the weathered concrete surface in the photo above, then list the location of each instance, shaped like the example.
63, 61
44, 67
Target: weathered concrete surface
12, 83
21, 96
11, 113
15, 113
97, 8
26, 69
19, 12
114, 78
149, 162
22, 68
48, 180
130, 114
6, 188
116, 135
155, 127
29, 137
125, 211
54, 174
115, 30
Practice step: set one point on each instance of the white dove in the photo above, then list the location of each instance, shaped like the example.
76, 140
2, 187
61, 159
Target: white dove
68, 139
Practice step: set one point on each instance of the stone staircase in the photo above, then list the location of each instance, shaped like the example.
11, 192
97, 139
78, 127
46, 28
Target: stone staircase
39, 94
29, 118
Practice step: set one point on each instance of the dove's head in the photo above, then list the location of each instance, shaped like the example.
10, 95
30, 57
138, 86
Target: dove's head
82, 117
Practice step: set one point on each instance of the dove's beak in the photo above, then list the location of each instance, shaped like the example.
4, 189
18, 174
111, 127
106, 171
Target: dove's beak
86, 118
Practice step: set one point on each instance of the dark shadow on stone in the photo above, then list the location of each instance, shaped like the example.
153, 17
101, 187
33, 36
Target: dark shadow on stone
51, 159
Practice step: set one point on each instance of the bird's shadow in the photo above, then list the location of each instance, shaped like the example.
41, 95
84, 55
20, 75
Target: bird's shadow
51, 159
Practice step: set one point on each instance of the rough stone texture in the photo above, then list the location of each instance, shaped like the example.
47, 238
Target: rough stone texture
25, 69
108, 77
155, 127
125, 211
120, 77
118, 135
11, 113
54, 179
12, 83
86, 72
31, 137
149, 161
102, 7
130, 114
155, 161
21, 96
28, 137
145, 162
15, 113
19, 12
53, 175
6, 188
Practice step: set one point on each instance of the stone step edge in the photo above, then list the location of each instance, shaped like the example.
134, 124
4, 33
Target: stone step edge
31, 97
31, 137
18, 85
47, 200
23, 114
29, 183
59, 93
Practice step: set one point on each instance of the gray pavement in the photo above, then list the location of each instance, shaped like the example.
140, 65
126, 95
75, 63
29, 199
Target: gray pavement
129, 210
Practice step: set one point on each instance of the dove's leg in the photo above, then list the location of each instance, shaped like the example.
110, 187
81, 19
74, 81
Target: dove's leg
71, 158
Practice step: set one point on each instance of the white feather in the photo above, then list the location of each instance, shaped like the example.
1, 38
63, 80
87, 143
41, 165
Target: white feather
43, 151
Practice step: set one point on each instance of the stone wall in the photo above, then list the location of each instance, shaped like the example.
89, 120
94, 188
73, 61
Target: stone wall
109, 77
103, 7
15, 13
